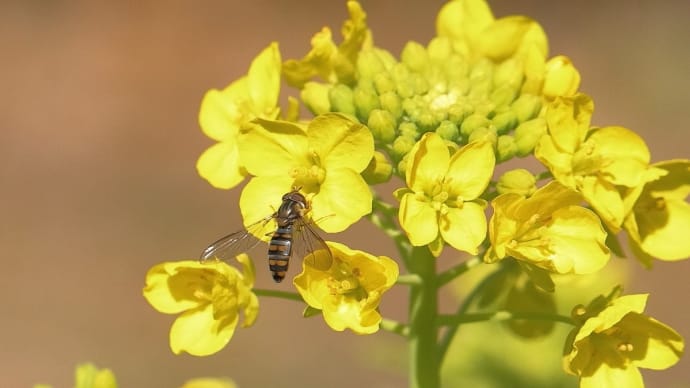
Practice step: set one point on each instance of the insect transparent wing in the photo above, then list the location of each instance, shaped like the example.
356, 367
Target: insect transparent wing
241, 241
308, 245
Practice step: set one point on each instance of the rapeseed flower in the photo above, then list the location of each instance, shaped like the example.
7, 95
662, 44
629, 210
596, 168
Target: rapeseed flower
604, 164
324, 159
660, 218
349, 292
442, 199
224, 113
548, 230
209, 296
613, 339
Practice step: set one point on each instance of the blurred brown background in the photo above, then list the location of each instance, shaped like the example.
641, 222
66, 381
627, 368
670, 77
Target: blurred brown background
98, 141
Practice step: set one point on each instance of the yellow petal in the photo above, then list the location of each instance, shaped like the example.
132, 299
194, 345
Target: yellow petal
343, 198
464, 20
430, 161
626, 154
512, 35
605, 199
464, 228
419, 220
340, 142
220, 114
262, 196
664, 229
471, 169
655, 345
274, 148
220, 165
349, 315
607, 376
209, 382
263, 80
167, 290
577, 241
568, 121
198, 333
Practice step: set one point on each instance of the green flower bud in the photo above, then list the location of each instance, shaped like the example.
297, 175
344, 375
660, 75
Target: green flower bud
316, 97
505, 148
427, 121
504, 121
526, 107
382, 125
366, 100
440, 48
458, 112
391, 103
509, 72
420, 85
519, 181
485, 134
504, 95
369, 64
474, 122
402, 145
448, 131
383, 82
342, 99
379, 169
409, 129
414, 55
528, 134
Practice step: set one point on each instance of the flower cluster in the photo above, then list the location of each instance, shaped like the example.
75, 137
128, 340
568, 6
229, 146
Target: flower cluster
434, 121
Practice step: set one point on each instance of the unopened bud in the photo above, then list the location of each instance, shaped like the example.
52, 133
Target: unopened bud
448, 131
504, 121
342, 99
519, 181
473, 122
382, 125
402, 145
379, 169
414, 55
315, 97
528, 134
366, 100
526, 107
561, 78
505, 148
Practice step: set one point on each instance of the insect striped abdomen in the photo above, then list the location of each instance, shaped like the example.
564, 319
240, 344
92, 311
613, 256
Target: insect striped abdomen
279, 252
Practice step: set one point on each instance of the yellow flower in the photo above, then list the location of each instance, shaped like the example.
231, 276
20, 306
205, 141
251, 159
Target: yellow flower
332, 63
548, 230
601, 163
442, 199
659, 223
324, 159
209, 382
224, 112
349, 292
88, 376
614, 339
209, 297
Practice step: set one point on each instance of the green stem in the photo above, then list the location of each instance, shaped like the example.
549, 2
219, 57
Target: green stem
396, 327
409, 279
424, 368
278, 294
450, 333
452, 273
503, 315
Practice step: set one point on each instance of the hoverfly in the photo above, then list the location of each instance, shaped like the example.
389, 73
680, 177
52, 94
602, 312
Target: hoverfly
293, 233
